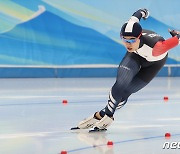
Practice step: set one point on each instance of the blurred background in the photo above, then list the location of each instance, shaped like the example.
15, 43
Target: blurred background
67, 38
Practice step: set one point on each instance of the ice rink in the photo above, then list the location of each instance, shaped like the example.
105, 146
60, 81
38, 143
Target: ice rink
33, 119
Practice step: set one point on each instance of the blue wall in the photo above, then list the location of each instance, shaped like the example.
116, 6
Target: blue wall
24, 72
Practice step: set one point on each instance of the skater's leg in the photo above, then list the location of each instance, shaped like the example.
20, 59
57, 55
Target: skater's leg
141, 79
128, 68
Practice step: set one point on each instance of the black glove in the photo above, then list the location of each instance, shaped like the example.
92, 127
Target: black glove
145, 13
141, 13
174, 33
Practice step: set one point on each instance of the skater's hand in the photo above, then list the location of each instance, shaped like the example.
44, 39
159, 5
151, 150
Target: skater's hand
174, 33
145, 13
141, 13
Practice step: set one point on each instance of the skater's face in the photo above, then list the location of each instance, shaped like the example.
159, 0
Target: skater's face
131, 43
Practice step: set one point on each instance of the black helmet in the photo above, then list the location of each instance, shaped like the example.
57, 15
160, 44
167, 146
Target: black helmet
131, 29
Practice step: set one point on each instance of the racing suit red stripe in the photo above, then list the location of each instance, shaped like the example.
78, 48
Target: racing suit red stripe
163, 46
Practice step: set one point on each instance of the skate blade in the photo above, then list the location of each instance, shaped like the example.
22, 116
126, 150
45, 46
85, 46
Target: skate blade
97, 130
78, 130
75, 128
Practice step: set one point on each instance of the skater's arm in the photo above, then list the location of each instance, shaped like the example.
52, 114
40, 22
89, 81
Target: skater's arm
163, 46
